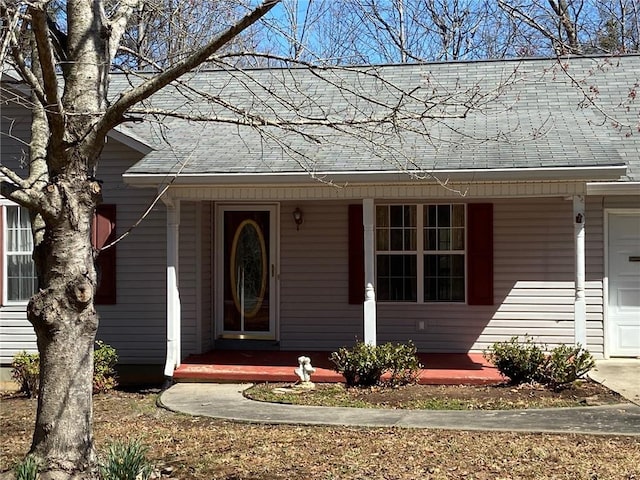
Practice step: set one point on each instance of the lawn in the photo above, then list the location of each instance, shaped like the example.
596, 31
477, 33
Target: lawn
201, 448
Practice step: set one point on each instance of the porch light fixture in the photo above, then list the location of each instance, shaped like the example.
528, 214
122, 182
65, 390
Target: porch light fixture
297, 217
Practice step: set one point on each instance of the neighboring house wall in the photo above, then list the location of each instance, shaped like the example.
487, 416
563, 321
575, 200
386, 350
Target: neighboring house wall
135, 325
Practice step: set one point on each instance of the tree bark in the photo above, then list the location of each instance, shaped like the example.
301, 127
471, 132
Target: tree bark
65, 321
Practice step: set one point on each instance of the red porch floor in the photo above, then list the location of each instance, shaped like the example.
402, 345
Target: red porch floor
278, 366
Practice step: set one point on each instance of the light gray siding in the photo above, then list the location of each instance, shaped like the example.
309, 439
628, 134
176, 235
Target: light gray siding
314, 309
533, 283
135, 326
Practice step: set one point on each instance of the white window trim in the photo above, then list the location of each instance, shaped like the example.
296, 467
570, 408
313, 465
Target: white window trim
420, 253
4, 203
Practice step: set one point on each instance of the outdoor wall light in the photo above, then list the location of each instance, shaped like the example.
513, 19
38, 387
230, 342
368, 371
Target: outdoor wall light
297, 217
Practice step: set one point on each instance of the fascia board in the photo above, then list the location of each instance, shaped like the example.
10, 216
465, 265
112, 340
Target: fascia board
612, 172
613, 188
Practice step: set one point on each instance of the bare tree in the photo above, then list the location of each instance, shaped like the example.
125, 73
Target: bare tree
75, 46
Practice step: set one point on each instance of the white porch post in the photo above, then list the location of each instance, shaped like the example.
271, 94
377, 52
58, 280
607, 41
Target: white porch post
368, 220
173, 294
580, 303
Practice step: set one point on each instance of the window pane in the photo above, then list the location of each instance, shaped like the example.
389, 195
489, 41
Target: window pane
458, 215
396, 215
457, 290
410, 239
20, 277
396, 278
444, 278
396, 239
430, 236
444, 215
382, 216
410, 213
457, 239
383, 265
430, 217
457, 265
444, 239
382, 239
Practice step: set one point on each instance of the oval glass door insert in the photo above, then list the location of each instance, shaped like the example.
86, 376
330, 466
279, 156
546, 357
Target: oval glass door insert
248, 268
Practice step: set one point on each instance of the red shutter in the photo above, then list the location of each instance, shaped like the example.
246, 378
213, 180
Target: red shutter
356, 255
2, 227
480, 253
103, 233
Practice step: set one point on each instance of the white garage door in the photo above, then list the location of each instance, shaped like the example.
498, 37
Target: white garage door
623, 314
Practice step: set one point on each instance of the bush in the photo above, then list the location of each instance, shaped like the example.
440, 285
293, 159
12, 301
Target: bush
25, 369
104, 362
564, 365
364, 364
126, 461
27, 469
518, 361
401, 361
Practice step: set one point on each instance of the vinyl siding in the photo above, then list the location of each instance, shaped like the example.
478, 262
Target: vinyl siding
533, 283
135, 325
314, 309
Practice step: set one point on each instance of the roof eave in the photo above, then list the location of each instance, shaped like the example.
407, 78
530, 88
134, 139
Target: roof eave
613, 188
603, 173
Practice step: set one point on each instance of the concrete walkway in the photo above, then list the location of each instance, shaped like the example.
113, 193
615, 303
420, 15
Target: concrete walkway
225, 401
619, 375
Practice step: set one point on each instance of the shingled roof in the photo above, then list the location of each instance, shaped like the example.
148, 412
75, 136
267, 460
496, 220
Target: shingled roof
531, 114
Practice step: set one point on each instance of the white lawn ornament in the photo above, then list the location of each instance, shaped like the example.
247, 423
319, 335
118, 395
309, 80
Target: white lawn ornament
304, 370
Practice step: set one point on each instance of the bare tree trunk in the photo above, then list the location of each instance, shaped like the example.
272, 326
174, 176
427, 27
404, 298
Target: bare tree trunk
63, 315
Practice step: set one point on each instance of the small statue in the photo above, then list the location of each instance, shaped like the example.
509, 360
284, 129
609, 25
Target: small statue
304, 370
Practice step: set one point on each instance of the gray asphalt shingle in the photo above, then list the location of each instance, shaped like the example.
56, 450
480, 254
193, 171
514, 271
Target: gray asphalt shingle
531, 114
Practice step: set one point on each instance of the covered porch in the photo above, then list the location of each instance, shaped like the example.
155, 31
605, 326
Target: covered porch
278, 366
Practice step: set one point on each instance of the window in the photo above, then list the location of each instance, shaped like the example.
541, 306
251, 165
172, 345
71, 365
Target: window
444, 253
396, 252
420, 253
19, 272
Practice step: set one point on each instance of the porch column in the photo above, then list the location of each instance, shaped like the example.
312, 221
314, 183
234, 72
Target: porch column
173, 295
368, 220
580, 303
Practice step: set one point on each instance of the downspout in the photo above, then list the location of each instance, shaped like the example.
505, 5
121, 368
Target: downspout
580, 302
173, 294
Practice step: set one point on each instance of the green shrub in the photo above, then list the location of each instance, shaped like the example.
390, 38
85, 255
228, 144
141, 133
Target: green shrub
361, 365
364, 364
126, 461
27, 469
402, 363
25, 369
105, 359
518, 361
564, 365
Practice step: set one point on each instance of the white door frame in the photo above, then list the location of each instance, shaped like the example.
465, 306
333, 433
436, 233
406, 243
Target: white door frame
605, 281
274, 266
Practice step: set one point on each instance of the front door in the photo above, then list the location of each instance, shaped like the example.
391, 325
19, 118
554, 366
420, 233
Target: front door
623, 312
246, 272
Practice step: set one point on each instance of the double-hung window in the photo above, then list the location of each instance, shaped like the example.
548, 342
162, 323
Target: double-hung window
420, 253
19, 272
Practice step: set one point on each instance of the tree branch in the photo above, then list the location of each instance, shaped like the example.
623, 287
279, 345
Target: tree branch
114, 114
47, 66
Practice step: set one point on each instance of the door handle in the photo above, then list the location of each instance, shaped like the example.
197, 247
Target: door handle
634, 259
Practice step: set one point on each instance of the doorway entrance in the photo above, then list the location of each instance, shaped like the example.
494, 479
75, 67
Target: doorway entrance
246, 294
